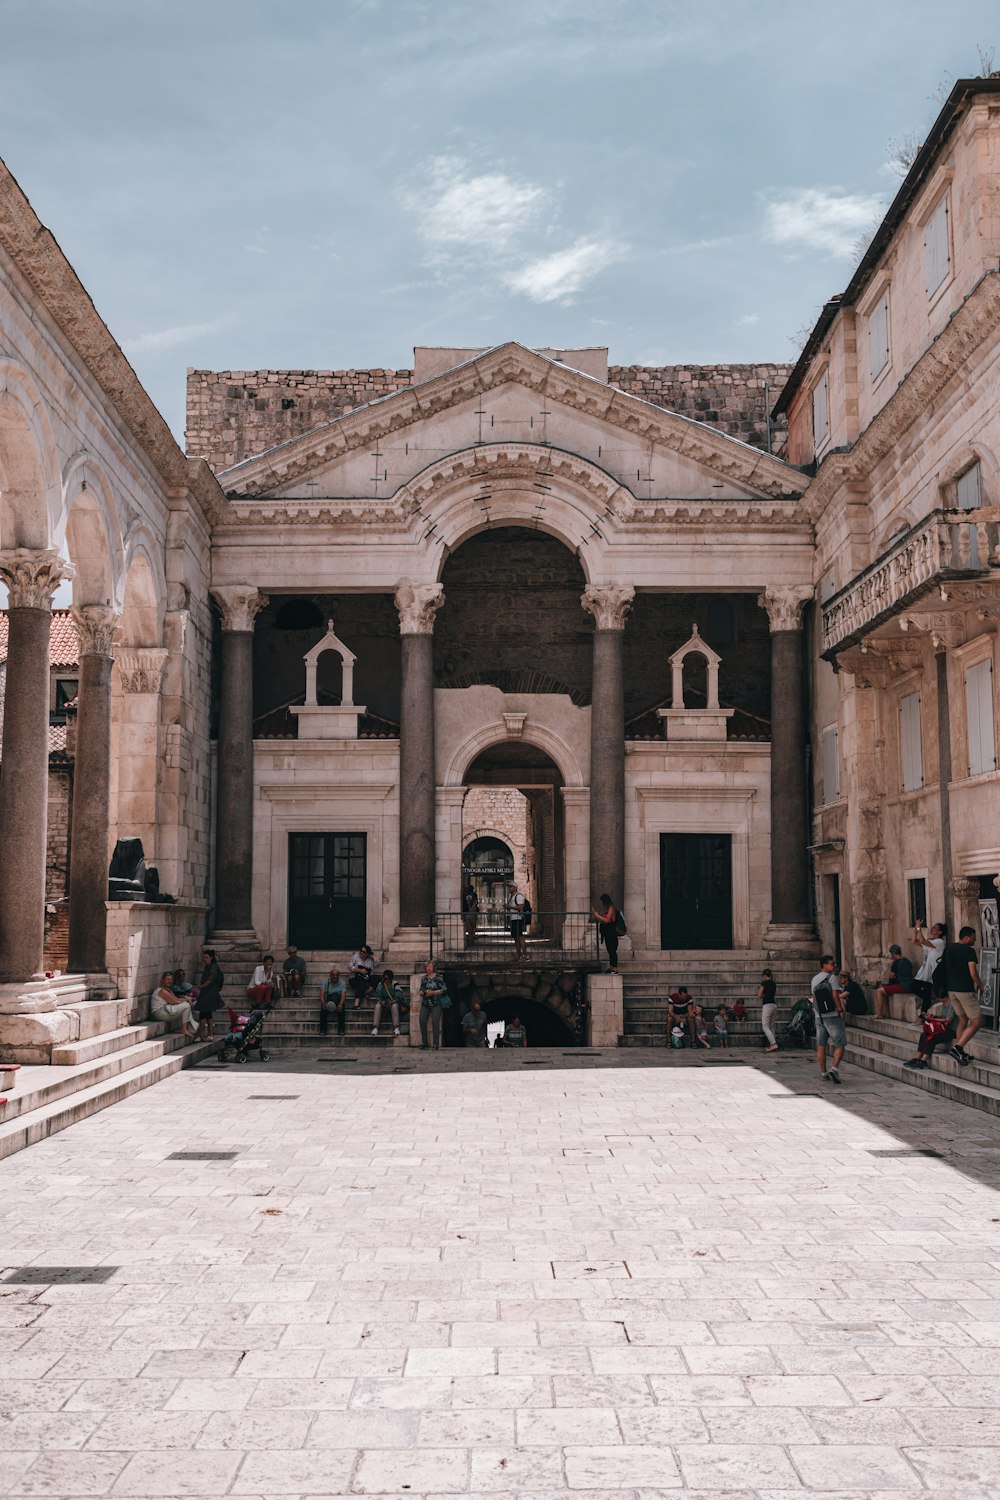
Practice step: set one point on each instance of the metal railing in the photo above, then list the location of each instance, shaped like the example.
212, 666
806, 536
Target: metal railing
551, 938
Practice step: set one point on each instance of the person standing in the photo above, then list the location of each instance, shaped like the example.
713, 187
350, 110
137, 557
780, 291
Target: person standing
721, 1025
606, 916
209, 993
385, 994
474, 1026
898, 982
514, 1034
515, 920
964, 988
767, 996
432, 988
333, 999
470, 912
933, 947
831, 1026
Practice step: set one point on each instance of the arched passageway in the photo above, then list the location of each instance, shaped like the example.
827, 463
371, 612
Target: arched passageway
544, 1026
513, 800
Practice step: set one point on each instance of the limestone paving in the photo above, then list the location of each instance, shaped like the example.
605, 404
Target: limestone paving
589, 1274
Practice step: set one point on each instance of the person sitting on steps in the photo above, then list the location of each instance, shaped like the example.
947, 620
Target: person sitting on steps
386, 993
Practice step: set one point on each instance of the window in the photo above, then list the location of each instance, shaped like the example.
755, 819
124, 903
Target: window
979, 711
821, 412
831, 765
878, 335
910, 750
65, 691
918, 901
936, 247
969, 489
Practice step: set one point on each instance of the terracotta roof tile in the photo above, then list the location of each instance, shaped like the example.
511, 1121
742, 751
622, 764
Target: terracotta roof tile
64, 644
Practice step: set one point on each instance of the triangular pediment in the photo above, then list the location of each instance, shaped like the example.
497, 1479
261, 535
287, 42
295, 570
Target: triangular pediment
511, 395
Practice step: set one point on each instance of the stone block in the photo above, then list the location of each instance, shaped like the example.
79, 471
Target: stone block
605, 993
31, 1038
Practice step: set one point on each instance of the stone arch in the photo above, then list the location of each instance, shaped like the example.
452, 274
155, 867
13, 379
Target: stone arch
960, 462
520, 484
896, 528
488, 735
143, 594
30, 491
92, 537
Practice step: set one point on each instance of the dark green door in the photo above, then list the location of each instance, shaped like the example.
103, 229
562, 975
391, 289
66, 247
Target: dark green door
326, 890
696, 890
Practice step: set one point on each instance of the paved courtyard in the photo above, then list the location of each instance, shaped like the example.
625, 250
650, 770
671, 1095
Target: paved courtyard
599, 1276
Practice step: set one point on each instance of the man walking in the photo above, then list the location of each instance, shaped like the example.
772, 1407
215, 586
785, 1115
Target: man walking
964, 988
515, 919
831, 1026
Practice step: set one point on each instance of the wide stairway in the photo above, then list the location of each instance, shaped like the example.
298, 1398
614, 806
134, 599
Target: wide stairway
714, 979
884, 1047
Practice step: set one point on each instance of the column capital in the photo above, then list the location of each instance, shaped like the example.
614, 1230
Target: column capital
140, 669
784, 605
32, 577
609, 603
240, 604
96, 625
965, 887
417, 604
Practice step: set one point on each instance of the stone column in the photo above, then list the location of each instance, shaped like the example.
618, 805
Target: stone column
609, 604
417, 605
791, 909
96, 625
240, 606
31, 578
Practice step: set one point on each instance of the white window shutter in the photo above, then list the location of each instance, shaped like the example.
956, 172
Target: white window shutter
831, 766
911, 750
979, 713
878, 335
936, 246
969, 489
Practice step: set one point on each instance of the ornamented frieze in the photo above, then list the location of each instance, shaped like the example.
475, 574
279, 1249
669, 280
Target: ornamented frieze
941, 550
140, 669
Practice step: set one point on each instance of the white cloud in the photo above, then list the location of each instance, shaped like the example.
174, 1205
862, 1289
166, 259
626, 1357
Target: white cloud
814, 219
560, 276
746, 320
462, 212
167, 338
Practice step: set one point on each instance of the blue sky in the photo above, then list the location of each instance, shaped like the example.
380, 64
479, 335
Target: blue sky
325, 183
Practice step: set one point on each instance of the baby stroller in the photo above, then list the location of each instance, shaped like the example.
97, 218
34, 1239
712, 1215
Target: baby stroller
245, 1036
800, 1029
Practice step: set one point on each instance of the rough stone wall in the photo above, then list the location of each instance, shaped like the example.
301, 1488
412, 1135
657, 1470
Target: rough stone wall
57, 867
734, 398
233, 414
508, 814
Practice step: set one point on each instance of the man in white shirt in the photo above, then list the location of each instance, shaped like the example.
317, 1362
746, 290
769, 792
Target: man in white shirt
515, 918
933, 947
829, 1014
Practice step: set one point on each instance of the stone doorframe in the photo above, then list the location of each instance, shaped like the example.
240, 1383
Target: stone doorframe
697, 810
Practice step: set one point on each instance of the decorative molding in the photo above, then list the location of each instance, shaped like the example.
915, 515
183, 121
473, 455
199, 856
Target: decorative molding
784, 606
515, 725
512, 363
97, 628
609, 603
33, 577
240, 605
140, 668
417, 604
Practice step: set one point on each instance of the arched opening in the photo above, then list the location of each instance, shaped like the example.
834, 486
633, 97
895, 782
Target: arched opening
23, 509
695, 680
89, 548
488, 869
512, 817
544, 1026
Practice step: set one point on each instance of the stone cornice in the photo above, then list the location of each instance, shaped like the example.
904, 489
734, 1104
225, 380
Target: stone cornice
970, 326
513, 363
37, 256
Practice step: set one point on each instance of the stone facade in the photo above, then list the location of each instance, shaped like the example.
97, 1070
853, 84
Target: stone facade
735, 398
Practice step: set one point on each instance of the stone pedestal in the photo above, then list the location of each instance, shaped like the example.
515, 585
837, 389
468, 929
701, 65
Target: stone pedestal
96, 625
791, 907
605, 998
417, 605
609, 604
234, 825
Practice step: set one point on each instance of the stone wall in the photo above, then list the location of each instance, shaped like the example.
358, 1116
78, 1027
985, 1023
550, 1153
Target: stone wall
235, 414
509, 814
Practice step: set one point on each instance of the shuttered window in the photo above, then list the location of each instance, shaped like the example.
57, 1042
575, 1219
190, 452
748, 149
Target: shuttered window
969, 489
821, 413
878, 335
910, 749
937, 247
831, 765
979, 709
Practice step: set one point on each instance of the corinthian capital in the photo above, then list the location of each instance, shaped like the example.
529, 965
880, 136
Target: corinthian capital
240, 605
784, 605
96, 626
418, 603
33, 577
609, 603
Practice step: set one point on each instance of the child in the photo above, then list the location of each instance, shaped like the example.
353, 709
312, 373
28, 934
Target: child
739, 1011
677, 1037
701, 1027
722, 1026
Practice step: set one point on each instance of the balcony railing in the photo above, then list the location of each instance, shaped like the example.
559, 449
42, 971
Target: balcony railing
553, 939
947, 546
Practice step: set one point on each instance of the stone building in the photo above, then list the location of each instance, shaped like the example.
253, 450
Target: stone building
514, 612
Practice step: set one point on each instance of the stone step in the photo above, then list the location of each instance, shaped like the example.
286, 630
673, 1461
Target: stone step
86, 1097
934, 1080
981, 1070
39, 1084
108, 1041
97, 1016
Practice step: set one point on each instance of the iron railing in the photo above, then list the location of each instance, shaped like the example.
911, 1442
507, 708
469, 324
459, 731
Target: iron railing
551, 938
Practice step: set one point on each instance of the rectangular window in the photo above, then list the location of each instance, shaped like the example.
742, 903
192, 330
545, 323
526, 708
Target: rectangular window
821, 412
936, 247
918, 901
831, 765
911, 753
969, 489
878, 335
979, 712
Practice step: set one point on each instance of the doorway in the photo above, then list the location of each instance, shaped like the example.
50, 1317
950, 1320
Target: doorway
327, 883
696, 890
512, 826
488, 866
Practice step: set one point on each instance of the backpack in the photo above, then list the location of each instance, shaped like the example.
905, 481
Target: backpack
221, 980
621, 926
526, 912
823, 997
939, 979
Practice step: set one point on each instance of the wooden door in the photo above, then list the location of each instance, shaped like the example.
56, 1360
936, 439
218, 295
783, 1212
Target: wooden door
327, 879
696, 890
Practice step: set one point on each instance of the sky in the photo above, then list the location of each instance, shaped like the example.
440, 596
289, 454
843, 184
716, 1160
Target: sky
248, 184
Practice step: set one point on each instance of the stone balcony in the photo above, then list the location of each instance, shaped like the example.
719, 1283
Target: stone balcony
943, 555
